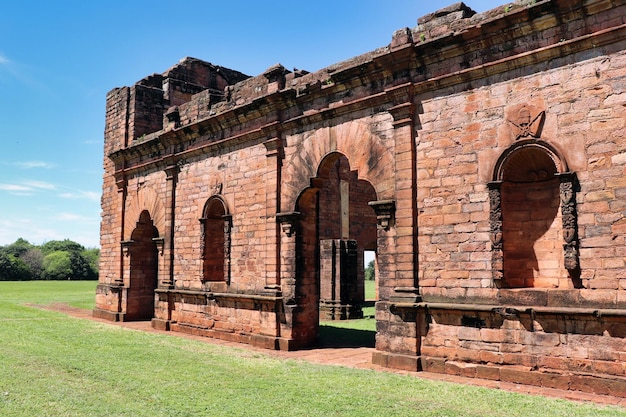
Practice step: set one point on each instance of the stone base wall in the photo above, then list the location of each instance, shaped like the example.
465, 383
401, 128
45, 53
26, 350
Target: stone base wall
556, 347
243, 318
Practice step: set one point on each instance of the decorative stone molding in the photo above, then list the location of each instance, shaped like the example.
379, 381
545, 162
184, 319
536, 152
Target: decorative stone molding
401, 97
171, 172
288, 222
126, 245
159, 243
526, 121
385, 213
495, 230
228, 226
172, 116
568, 183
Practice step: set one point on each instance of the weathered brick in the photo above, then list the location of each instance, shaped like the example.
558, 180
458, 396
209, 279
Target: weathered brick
236, 180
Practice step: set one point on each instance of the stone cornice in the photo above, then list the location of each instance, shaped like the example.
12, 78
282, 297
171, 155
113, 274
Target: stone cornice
386, 75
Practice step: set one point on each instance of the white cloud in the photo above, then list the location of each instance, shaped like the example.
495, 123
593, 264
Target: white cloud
33, 164
15, 188
73, 217
3, 60
40, 185
81, 195
26, 188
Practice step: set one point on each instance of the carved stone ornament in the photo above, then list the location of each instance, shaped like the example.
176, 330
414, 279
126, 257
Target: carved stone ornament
495, 230
567, 188
160, 244
217, 186
126, 245
385, 212
288, 222
526, 121
228, 226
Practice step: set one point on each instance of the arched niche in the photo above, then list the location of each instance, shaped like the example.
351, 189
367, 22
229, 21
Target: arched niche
215, 240
533, 218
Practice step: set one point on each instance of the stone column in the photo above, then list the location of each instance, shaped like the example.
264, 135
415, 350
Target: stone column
338, 280
403, 110
288, 226
122, 190
167, 273
570, 220
495, 227
272, 179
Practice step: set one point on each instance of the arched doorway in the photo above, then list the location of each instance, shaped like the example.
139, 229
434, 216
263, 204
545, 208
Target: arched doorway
530, 227
143, 269
215, 241
336, 226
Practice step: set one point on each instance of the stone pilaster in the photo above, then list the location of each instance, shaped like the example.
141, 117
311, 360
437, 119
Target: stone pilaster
274, 154
167, 273
405, 220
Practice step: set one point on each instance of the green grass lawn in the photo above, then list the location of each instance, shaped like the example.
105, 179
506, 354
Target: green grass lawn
55, 365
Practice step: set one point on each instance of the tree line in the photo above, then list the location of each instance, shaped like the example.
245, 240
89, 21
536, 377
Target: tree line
54, 260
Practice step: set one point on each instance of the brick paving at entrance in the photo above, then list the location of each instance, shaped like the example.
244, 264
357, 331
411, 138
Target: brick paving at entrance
359, 357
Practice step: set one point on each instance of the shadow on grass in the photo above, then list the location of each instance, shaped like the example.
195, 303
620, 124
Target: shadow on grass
336, 337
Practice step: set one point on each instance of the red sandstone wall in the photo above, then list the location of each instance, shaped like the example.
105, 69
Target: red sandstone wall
427, 122
584, 120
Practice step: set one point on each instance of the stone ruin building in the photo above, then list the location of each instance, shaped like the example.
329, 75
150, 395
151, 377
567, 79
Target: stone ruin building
482, 157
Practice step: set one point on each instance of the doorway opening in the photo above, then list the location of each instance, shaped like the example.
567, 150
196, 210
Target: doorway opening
143, 270
337, 226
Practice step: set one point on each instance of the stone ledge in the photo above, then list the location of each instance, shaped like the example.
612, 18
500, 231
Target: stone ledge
512, 310
575, 381
107, 315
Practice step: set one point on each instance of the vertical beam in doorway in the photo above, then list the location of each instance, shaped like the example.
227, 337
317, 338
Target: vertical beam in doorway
344, 195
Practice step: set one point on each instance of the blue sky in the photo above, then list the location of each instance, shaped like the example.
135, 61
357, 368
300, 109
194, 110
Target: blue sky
58, 59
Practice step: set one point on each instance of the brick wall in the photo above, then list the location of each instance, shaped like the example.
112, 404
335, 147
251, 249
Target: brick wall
481, 155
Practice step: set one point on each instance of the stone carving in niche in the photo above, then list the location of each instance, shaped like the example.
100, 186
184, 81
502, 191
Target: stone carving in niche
495, 226
228, 223
526, 121
569, 219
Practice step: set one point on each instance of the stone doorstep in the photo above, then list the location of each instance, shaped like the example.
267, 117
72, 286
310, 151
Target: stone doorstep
597, 384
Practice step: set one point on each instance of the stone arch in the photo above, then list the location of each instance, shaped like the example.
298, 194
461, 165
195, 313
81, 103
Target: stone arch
215, 240
145, 199
335, 224
519, 154
534, 243
143, 280
366, 152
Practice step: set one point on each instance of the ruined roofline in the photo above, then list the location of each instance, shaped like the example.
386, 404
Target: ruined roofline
428, 21
453, 40
457, 20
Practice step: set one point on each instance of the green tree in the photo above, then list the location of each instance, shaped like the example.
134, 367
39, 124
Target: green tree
61, 245
92, 255
19, 247
57, 266
81, 269
33, 258
369, 271
12, 268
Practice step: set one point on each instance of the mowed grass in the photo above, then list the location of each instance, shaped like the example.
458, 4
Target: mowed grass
55, 365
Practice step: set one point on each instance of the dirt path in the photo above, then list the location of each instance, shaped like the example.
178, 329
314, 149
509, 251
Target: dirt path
349, 357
